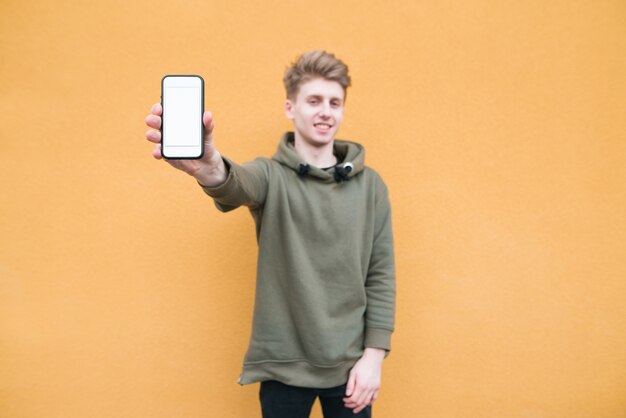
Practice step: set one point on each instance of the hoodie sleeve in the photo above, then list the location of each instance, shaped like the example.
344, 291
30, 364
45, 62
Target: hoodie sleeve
245, 184
380, 284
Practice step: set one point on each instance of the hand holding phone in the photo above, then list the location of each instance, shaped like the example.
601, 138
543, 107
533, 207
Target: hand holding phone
209, 169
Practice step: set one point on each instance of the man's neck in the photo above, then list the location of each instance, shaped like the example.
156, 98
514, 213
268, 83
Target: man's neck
320, 157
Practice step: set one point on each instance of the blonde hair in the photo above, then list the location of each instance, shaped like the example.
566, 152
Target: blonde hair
314, 64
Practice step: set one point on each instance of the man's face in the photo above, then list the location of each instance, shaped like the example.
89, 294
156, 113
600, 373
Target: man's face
317, 111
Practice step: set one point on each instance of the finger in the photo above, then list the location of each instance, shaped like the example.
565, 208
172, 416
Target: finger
359, 408
350, 385
354, 398
207, 119
157, 109
349, 403
351, 392
365, 403
375, 396
153, 136
363, 399
153, 121
156, 152
368, 398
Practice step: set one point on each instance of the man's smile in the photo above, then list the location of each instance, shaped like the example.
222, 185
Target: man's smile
322, 126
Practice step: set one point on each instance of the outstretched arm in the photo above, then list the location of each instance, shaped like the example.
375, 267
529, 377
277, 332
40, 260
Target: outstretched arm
228, 183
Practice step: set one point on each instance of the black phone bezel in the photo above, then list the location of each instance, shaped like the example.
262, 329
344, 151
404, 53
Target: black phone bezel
201, 117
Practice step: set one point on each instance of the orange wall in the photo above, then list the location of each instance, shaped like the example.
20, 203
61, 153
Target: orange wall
498, 126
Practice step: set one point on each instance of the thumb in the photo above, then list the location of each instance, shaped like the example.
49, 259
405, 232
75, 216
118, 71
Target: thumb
351, 383
207, 120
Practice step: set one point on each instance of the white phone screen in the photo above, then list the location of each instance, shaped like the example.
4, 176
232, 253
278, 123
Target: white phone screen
182, 116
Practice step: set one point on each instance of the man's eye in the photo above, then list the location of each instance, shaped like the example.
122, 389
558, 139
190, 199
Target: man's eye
312, 101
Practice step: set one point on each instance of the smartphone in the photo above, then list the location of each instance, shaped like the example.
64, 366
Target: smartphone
182, 100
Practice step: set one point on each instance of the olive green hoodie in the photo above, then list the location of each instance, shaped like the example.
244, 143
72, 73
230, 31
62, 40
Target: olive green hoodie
325, 285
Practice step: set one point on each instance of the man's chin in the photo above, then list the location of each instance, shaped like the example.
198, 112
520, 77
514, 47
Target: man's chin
316, 139
320, 141
325, 138
324, 141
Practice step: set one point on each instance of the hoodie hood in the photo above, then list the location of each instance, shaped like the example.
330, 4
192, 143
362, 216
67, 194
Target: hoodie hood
350, 160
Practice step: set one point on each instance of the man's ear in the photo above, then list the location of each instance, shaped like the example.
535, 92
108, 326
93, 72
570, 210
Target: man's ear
289, 109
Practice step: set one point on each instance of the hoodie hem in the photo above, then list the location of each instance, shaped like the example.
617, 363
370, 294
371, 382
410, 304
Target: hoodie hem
297, 373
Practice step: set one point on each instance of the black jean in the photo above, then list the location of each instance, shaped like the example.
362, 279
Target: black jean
279, 400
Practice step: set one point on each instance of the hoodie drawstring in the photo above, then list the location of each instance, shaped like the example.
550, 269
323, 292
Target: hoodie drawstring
303, 170
341, 173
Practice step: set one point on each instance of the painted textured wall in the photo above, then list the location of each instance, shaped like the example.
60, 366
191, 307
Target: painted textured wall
498, 126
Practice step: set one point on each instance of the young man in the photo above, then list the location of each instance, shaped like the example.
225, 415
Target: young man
325, 293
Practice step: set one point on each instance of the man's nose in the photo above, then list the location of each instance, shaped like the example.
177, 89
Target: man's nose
325, 109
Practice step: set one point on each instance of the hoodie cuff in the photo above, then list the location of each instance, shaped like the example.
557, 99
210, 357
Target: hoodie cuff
225, 188
378, 338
